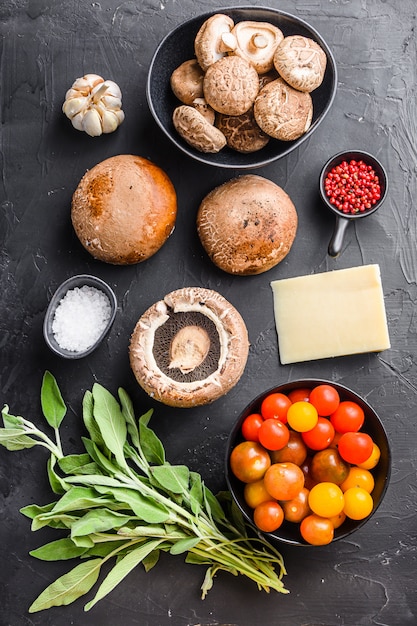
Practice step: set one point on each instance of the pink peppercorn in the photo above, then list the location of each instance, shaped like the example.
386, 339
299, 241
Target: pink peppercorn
352, 187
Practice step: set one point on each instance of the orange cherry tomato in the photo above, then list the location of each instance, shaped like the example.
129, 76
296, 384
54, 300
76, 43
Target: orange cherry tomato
249, 461
299, 395
295, 451
255, 493
319, 531
268, 516
298, 508
284, 480
273, 434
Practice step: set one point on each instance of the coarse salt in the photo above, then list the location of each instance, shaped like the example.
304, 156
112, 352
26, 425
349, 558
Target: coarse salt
80, 318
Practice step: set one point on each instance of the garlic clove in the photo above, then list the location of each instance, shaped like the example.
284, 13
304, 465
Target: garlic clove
109, 121
91, 123
120, 115
113, 89
73, 106
77, 121
111, 102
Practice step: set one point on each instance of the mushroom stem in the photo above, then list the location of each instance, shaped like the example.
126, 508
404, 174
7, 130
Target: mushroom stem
258, 42
189, 348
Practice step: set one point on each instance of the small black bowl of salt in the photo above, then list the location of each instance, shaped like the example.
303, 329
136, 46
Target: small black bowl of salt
79, 316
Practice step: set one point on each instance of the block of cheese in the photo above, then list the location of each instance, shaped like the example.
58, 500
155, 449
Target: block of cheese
330, 314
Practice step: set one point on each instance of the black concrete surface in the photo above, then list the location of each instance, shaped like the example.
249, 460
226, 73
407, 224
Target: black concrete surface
367, 579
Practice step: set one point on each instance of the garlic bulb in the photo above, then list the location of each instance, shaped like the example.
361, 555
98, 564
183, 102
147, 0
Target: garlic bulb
94, 105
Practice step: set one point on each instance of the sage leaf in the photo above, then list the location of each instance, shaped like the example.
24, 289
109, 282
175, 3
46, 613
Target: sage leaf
98, 520
53, 405
15, 439
129, 415
89, 421
58, 485
11, 421
60, 549
184, 545
32, 510
142, 531
78, 498
121, 570
173, 478
150, 444
71, 463
111, 422
60, 520
68, 587
213, 506
96, 454
85, 542
104, 549
146, 509
151, 560
196, 493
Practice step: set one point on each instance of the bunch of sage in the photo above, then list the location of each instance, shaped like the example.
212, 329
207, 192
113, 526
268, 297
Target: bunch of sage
121, 499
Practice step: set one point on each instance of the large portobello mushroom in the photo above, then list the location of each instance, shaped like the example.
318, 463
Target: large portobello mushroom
190, 348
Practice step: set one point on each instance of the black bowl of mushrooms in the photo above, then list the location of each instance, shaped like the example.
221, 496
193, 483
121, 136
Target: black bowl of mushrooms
241, 87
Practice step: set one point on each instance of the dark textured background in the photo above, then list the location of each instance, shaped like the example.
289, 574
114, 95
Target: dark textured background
368, 579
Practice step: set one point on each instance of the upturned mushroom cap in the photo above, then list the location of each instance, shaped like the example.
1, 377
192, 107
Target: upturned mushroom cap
190, 348
187, 81
213, 40
124, 209
247, 225
301, 62
231, 85
282, 111
197, 130
242, 132
256, 42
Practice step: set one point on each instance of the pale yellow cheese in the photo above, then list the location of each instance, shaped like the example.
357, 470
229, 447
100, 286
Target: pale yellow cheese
330, 314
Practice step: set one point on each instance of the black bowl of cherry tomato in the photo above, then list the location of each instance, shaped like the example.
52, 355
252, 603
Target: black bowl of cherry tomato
308, 462
353, 184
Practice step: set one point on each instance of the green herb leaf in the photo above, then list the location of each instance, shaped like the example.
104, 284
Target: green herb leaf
88, 418
104, 549
183, 545
32, 510
121, 570
69, 587
111, 422
99, 520
53, 406
213, 506
60, 520
151, 445
58, 550
173, 478
196, 493
145, 508
100, 459
151, 560
72, 463
14, 439
58, 485
129, 415
78, 498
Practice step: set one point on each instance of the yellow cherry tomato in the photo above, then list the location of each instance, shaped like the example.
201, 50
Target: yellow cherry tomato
326, 499
358, 503
302, 416
372, 460
255, 493
358, 477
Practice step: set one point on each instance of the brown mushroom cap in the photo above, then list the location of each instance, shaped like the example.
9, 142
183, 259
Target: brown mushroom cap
211, 41
197, 130
190, 348
256, 42
187, 81
242, 132
247, 225
124, 209
282, 111
301, 62
231, 85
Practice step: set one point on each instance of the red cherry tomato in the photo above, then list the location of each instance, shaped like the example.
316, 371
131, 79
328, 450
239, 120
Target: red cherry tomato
295, 451
268, 516
298, 508
273, 434
249, 461
275, 406
348, 417
325, 398
251, 425
355, 447
321, 436
299, 395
